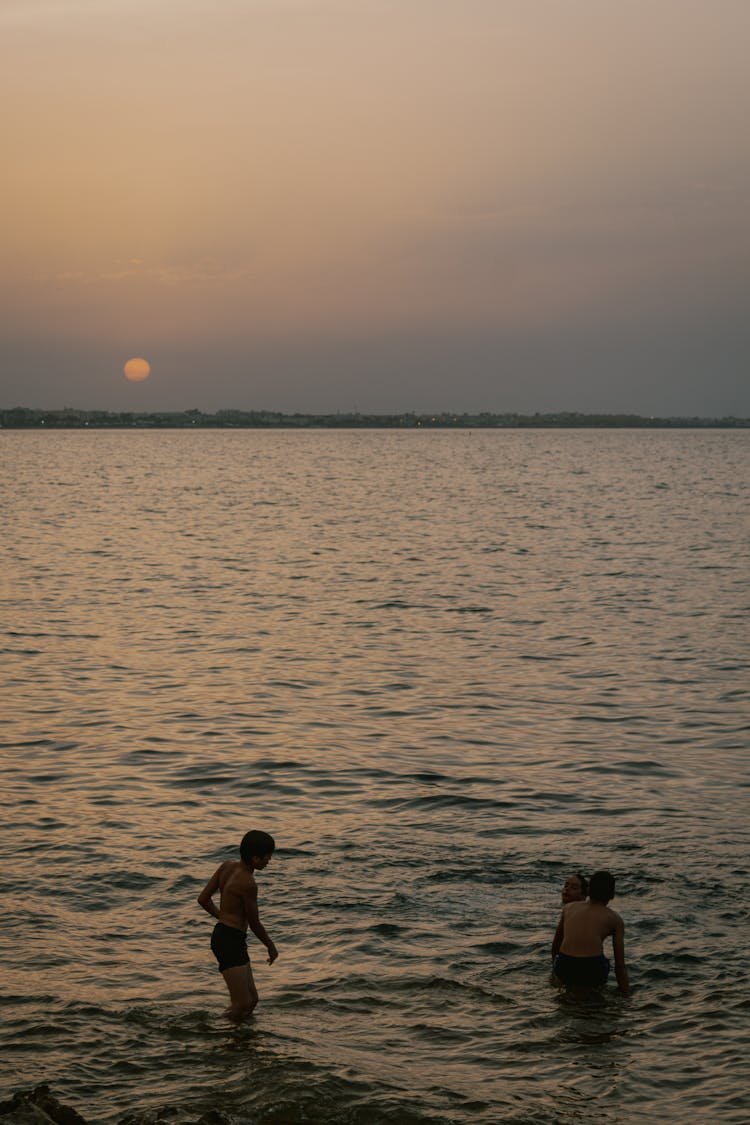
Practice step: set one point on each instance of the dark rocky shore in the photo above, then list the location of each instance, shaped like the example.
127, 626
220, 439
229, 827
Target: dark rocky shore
40, 1107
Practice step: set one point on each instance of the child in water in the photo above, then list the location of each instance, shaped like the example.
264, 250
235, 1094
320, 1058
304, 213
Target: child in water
238, 910
578, 945
575, 889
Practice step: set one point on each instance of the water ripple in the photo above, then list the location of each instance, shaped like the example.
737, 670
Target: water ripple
444, 672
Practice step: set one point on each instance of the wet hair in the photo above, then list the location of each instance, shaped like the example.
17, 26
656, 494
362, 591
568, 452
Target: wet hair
256, 844
602, 887
584, 883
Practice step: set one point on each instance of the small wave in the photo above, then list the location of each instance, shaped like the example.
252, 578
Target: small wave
27, 744
646, 767
395, 604
469, 609
446, 987
278, 764
440, 801
498, 948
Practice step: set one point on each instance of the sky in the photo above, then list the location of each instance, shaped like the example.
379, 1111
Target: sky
376, 205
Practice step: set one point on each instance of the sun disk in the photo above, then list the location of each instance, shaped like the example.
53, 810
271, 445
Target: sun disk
136, 370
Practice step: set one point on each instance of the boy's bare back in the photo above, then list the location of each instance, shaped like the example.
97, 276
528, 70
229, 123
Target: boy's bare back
586, 925
238, 890
577, 947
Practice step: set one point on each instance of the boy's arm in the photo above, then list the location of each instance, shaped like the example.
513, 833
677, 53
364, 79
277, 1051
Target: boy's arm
205, 898
558, 938
618, 948
255, 924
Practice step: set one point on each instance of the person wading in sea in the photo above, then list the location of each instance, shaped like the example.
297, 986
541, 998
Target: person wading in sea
235, 880
580, 936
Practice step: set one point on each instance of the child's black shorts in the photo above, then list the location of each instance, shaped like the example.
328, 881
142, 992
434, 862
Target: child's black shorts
583, 972
229, 946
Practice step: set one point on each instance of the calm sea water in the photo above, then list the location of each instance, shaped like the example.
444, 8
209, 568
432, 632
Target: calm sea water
444, 670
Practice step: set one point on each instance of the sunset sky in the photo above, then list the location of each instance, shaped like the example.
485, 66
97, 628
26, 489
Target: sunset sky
376, 204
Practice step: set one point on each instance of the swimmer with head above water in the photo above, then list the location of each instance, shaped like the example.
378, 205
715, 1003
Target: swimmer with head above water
575, 889
578, 944
238, 910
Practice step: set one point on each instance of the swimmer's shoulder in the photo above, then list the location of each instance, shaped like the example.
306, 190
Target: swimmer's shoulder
611, 919
238, 877
229, 871
616, 918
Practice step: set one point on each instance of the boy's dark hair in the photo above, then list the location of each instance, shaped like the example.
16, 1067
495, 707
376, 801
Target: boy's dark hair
584, 883
256, 843
602, 887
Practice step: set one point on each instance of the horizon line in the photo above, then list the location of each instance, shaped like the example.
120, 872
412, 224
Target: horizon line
25, 417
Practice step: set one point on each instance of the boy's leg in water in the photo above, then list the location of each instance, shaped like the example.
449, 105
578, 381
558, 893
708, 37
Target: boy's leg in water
243, 994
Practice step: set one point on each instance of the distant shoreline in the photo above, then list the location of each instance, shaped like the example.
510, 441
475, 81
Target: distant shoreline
22, 418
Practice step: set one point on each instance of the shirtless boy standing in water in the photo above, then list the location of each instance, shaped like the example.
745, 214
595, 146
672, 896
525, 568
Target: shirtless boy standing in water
238, 911
578, 945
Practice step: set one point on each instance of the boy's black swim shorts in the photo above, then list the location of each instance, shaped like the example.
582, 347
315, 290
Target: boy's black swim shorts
583, 972
229, 946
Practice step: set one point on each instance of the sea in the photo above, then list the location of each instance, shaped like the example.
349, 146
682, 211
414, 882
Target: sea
444, 670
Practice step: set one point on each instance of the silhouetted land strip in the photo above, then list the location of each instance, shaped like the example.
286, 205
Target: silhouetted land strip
21, 417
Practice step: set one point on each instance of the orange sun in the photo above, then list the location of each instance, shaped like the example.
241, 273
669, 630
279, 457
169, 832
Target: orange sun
136, 370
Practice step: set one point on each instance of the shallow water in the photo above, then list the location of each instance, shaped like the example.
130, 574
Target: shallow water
444, 670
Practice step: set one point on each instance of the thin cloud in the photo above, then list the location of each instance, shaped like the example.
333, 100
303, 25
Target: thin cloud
134, 269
